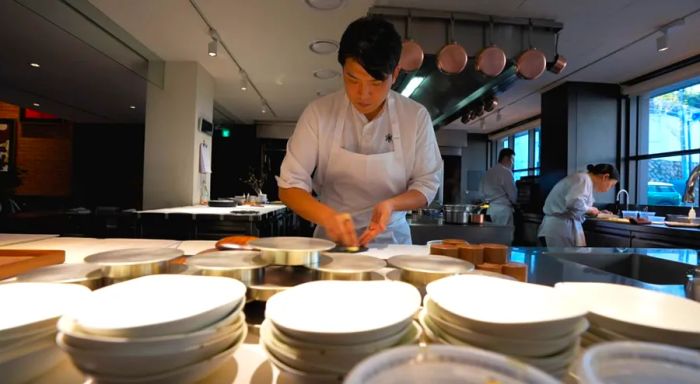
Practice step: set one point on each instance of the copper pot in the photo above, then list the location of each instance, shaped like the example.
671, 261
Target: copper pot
476, 218
452, 58
411, 52
559, 62
532, 62
491, 60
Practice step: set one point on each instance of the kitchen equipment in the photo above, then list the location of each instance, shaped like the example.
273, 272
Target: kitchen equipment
421, 270
278, 279
340, 266
443, 364
452, 58
247, 267
476, 218
89, 275
411, 52
491, 60
458, 213
531, 63
222, 203
557, 65
682, 221
124, 264
292, 250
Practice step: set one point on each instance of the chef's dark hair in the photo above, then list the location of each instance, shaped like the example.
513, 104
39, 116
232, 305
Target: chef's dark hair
505, 152
374, 43
602, 169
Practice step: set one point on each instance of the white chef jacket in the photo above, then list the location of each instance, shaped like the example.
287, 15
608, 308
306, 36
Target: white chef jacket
311, 145
498, 188
564, 211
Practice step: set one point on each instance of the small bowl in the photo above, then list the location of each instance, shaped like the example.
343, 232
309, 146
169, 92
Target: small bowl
632, 214
646, 215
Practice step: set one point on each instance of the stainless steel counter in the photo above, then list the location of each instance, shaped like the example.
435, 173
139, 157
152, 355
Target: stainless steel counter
425, 230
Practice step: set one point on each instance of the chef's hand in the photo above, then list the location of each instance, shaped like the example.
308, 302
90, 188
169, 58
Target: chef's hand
381, 214
339, 228
593, 211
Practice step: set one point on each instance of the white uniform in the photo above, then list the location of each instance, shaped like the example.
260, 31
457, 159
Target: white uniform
564, 211
358, 163
498, 188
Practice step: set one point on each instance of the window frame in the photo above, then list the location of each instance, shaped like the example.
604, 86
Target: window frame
532, 169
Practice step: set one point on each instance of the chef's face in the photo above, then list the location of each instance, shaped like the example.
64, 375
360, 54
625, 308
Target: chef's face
366, 93
604, 183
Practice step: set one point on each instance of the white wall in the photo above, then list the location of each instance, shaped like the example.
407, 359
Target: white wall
172, 138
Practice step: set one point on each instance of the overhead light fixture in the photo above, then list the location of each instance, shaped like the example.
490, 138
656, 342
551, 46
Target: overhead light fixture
324, 47
662, 41
35, 65
213, 47
412, 85
244, 81
326, 74
325, 5
132, 107
264, 108
36, 104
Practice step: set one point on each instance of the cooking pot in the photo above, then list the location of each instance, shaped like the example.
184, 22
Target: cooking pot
411, 52
452, 58
459, 213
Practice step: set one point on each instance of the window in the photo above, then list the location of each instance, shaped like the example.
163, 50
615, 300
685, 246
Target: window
526, 145
669, 145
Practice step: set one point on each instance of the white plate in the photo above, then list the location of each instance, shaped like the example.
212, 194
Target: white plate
443, 364
158, 305
24, 367
638, 363
511, 346
189, 374
638, 313
31, 307
504, 307
339, 312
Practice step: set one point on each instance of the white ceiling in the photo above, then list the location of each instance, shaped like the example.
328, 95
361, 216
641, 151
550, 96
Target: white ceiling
270, 40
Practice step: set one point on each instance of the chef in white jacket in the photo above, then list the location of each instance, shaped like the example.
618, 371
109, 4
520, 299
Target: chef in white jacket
498, 188
369, 153
568, 202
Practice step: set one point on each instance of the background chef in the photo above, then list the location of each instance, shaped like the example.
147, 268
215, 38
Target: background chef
372, 152
568, 202
498, 188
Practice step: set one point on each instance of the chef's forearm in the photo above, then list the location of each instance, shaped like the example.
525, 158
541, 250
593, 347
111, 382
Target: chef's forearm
305, 205
411, 199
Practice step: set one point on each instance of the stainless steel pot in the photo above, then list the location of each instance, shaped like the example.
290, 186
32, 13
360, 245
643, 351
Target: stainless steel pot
246, 266
458, 213
292, 250
124, 264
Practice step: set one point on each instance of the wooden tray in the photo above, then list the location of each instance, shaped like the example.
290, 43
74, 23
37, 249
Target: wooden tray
14, 262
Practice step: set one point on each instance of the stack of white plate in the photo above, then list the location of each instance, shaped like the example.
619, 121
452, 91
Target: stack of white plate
636, 362
320, 330
155, 329
444, 364
621, 312
28, 327
532, 323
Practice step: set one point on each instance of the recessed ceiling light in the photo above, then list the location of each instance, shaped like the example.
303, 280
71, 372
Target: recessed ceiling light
132, 106
36, 104
325, 5
35, 65
324, 47
325, 74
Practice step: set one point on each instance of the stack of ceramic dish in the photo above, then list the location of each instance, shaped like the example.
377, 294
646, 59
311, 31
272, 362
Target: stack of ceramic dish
28, 327
621, 312
444, 364
638, 363
320, 330
156, 329
532, 323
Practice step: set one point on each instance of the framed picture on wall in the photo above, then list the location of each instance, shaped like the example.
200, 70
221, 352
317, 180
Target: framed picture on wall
7, 145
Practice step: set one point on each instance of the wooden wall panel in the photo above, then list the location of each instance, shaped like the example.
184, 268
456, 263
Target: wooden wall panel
47, 162
9, 111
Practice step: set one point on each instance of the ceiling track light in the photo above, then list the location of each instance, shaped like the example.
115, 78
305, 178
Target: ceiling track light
264, 107
662, 41
213, 47
244, 80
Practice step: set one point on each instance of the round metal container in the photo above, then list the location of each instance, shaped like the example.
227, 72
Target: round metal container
292, 250
343, 266
124, 264
246, 266
421, 270
89, 275
277, 279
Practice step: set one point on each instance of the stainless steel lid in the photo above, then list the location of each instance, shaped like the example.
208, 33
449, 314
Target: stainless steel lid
228, 260
63, 273
277, 279
430, 264
303, 244
348, 263
134, 256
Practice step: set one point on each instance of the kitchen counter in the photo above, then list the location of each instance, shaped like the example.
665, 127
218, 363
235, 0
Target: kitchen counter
424, 230
609, 233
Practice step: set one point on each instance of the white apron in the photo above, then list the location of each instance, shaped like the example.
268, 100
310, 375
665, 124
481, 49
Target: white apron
501, 214
355, 183
562, 231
